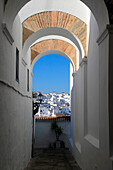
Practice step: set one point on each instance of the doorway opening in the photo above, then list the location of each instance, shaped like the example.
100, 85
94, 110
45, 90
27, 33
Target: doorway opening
51, 79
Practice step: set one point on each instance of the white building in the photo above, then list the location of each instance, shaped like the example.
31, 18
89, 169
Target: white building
52, 105
65, 110
44, 111
57, 110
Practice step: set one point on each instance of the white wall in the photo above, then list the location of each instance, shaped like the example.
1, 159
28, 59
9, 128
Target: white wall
90, 106
91, 118
15, 104
15, 130
78, 110
93, 81
44, 135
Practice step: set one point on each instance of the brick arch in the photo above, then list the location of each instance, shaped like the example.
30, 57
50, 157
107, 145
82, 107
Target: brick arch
54, 44
56, 19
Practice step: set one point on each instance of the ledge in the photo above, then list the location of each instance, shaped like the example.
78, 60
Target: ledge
106, 32
84, 61
78, 146
13, 88
7, 33
91, 139
24, 62
74, 74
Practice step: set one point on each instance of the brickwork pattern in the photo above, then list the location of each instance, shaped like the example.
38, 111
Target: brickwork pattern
54, 45
56, 19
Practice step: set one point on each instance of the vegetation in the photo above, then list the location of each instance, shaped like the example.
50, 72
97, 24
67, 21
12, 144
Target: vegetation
58, 130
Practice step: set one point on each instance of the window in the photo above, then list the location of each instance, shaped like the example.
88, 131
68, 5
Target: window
17, 65
27, 79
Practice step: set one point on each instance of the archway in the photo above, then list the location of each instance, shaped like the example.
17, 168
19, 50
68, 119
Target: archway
53, 67
53, 52
89, 139
53, 31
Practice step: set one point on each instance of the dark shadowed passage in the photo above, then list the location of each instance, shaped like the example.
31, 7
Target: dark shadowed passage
52, 159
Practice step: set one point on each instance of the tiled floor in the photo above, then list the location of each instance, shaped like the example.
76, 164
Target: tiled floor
52, 159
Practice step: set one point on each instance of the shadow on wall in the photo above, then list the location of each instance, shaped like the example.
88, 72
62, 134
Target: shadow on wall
44, 136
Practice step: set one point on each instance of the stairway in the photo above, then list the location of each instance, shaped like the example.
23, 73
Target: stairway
52, 159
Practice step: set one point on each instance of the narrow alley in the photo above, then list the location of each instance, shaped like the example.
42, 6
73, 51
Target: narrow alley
81, 32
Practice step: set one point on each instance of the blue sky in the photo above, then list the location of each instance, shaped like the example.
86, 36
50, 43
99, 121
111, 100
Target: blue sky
51, 73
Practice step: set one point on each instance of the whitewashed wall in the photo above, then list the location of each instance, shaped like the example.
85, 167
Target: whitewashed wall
91, 118
90, 132
44, 135
15, 104
93, 81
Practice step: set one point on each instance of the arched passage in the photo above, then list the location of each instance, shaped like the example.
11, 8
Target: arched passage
53, 31
89, 141
51, 37
53, 52
53, 44
55, 71
56, 19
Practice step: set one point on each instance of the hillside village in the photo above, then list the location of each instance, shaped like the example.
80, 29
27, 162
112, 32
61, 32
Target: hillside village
53, 104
